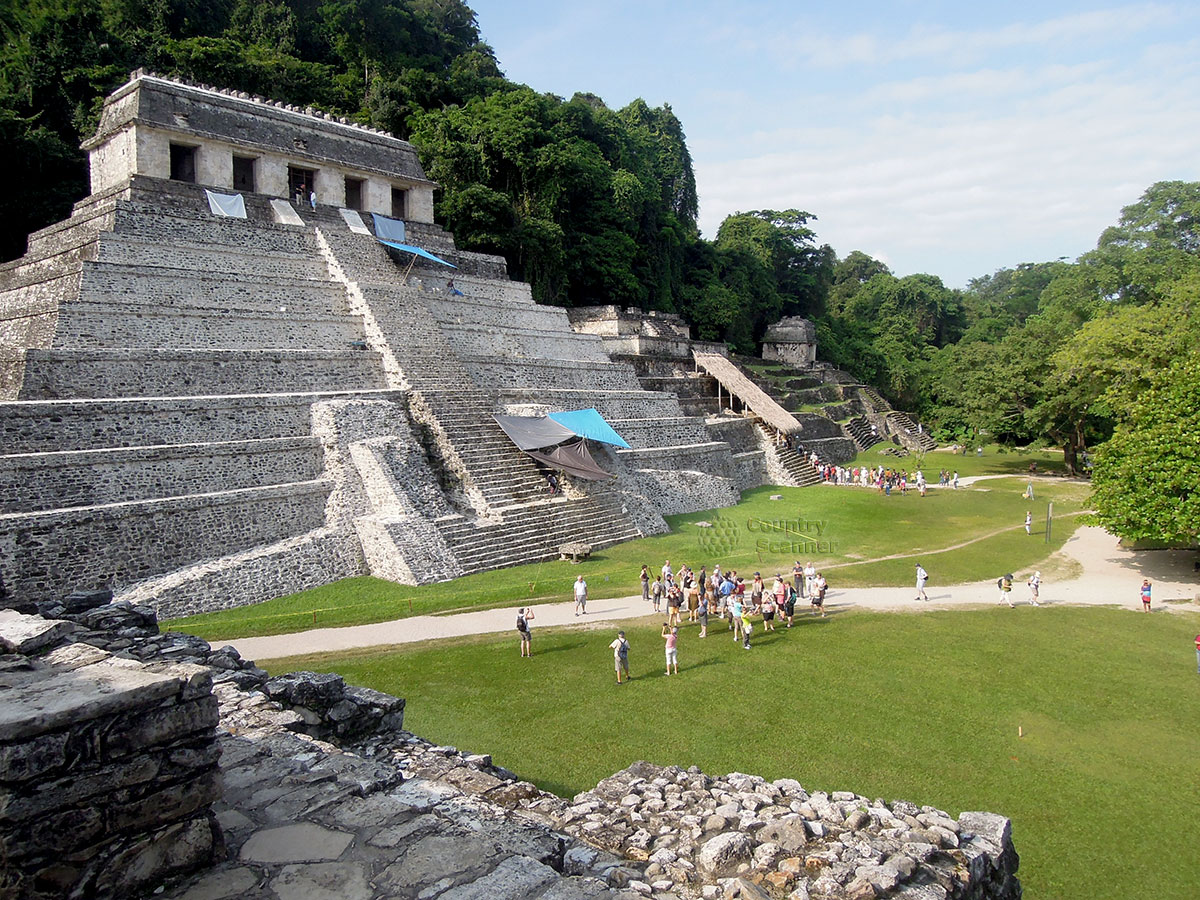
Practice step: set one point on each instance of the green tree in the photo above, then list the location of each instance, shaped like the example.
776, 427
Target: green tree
1147, 476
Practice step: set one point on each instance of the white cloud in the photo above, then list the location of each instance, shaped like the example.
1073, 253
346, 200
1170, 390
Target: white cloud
922, 42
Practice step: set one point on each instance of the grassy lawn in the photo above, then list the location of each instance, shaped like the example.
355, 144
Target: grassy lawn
1102, 788
995, 460
838, 527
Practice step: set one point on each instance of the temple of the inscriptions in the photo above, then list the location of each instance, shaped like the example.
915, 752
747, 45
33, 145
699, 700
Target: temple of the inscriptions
249, 363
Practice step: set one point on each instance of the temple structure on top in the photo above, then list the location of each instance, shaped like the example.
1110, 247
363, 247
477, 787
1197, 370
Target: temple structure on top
792, 340
229, 140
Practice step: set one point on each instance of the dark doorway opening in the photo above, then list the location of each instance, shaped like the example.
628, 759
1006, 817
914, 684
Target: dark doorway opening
183, 163
243, 173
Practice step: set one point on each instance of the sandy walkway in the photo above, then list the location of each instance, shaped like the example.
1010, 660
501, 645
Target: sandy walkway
1110, 576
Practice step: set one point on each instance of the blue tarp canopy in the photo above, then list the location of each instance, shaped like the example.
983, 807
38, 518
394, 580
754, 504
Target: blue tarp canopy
589, 423
416, 251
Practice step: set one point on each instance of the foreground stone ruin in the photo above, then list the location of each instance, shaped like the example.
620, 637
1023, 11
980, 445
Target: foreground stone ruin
109, 787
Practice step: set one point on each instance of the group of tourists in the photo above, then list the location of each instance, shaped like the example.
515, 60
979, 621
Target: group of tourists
884, 479
725, 595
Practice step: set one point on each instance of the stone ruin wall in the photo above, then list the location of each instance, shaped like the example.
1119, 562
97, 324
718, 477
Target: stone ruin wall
320, 789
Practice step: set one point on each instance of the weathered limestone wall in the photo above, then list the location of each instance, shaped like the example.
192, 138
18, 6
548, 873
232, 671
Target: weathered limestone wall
141, 540
92, 477
84, 374
108, 769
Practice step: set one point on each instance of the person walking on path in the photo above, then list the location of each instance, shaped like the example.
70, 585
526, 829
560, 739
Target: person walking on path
1028, 522
955, 482
620, 649
810, 577
670, 634
922, 577
1146, 594
821, 586
580, 596
656, 593
1035, 585
645, 579
1004, 584
798, 578
524, 616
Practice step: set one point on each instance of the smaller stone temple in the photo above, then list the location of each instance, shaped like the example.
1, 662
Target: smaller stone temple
792, 340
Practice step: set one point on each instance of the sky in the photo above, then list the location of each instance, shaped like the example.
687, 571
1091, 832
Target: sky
949, 138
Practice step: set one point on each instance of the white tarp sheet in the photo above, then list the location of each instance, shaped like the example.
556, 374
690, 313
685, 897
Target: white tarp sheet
354, 221
231, 205
284, 214
388, 229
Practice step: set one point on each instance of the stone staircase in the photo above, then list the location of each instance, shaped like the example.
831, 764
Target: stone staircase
913, 439
797, 465
859, 429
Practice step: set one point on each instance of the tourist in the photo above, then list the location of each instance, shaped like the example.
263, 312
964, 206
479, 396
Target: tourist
670, 634
524, 617
789, 608
620, 649
1198, 654
756, 590
454, 292
922, 577
798, 578
821, 586
1035, 584
747, 627
703, 612
312, 199
810, 576
1004, 584
667, 571
1028, 522
955, 480
735, 616
580, 596
1146, 594
656, 593
674, 600
769, 606
693, 601
645, 579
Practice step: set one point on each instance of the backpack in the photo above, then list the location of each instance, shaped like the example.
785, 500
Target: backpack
521, 625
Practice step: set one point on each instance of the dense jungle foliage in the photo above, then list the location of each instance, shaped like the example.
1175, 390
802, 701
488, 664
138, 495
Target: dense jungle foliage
595, 205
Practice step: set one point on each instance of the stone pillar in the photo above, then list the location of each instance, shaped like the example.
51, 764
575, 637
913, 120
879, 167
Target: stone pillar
214, 166
272, 176
377, 197
330, 187
420, 205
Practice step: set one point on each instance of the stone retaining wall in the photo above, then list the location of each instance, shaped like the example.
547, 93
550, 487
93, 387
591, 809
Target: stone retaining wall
37, 426
141, 540
95, 477
54, 374
550, 373
511, 342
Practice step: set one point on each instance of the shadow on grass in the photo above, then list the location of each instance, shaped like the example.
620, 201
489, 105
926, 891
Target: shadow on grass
561, 647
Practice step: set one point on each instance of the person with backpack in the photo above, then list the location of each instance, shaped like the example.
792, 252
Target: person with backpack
656, 593
620, 649
524, 617
922, 577
1004, 584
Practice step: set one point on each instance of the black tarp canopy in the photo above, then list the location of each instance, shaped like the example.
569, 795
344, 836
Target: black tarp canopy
574, 459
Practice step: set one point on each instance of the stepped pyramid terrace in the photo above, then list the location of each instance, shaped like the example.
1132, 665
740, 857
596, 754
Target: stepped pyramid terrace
241, 369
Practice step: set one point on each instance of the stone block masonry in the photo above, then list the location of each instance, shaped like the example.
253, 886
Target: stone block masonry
49, 554
108, 772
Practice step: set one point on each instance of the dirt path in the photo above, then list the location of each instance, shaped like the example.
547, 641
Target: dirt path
1110, 576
